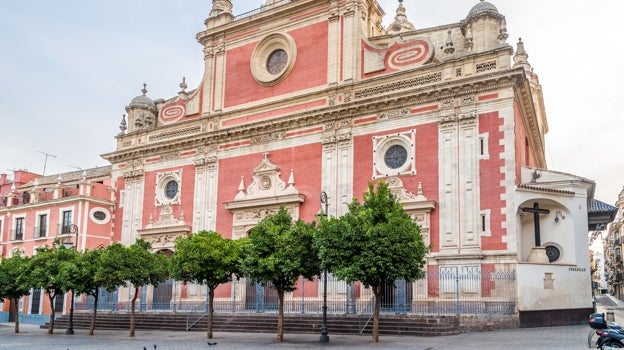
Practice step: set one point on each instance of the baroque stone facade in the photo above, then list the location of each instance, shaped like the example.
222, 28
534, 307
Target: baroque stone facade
449, 116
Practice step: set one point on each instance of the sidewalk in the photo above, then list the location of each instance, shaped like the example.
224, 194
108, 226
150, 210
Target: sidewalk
32, 337
610, 306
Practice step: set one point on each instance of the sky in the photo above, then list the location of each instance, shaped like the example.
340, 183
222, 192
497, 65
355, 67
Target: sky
68, 69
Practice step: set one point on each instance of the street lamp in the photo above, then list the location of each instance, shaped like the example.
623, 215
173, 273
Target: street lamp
69, 244
324, 337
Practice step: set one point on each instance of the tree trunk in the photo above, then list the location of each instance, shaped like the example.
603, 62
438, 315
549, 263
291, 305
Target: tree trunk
94, 314
16, 307
51, 326
134, 298
280, 318
210, 311
378, 295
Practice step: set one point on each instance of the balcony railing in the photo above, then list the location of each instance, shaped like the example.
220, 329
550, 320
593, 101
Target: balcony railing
18, 235
41, 231
64, 229
258, 10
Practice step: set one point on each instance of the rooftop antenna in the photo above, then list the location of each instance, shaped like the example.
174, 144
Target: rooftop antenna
45, 163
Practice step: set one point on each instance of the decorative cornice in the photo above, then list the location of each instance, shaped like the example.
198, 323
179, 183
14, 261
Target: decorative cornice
340, 114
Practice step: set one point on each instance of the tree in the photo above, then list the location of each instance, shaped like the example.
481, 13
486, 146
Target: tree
375, 243
13, 282
134, 265
86, 280
280, 251
206, 258
53, 269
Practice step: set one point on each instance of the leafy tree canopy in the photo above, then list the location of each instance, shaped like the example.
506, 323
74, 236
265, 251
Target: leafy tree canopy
205, 258
375, 242
13, 277
280, 251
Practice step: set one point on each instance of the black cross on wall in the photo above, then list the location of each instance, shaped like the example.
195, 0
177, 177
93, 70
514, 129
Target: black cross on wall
536, 210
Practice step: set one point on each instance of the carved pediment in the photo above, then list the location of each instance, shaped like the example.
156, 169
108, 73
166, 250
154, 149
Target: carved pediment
263, 197
409, 200
266, 184
162, 233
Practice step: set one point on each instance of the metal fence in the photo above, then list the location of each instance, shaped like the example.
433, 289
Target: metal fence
447, 292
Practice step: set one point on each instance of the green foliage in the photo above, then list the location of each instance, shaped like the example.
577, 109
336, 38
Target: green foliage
13, 277
205, 258
53, 269
279, 251
120, 265
114, 267
375, 242
88, 263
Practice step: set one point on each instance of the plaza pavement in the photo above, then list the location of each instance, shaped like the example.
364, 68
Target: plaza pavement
569, 337
32, 337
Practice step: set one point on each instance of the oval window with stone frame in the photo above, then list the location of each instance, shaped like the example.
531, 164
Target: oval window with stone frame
171, 189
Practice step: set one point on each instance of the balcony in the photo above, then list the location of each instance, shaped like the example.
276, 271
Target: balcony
65, 230
41, 231
18, 235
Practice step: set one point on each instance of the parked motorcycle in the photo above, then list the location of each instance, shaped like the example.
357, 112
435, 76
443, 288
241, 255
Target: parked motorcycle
610, 334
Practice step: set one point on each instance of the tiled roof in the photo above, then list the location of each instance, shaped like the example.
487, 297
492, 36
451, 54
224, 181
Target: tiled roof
72, 176
544, 189
596, 206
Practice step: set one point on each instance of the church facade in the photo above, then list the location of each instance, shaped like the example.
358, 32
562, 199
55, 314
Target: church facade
305, 96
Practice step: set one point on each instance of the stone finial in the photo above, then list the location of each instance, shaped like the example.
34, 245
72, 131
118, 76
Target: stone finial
400, 23
502, 36
144, 90
521, 57
220, 7
449, 49
123, 126
291, 178
183, 86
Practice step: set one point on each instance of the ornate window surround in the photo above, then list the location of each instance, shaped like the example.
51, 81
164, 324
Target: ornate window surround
263, 51
263, 197
162, 179
381, 145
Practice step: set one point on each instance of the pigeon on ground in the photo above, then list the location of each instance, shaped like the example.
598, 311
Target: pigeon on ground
211, 343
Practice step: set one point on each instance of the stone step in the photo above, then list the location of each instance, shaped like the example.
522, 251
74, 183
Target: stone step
266, 323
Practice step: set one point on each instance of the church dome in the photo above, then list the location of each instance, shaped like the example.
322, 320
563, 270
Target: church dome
142, 101
481, 8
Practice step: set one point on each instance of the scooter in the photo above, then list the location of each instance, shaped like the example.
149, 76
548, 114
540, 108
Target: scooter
610, 335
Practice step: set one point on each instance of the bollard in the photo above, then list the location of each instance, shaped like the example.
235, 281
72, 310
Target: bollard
610, 316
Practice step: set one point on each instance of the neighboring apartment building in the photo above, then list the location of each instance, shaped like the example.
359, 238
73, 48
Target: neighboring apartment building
613, 245
47, 210
306, 96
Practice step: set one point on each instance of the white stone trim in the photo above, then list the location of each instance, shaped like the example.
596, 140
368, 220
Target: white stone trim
381, 144
264, 49
162, 179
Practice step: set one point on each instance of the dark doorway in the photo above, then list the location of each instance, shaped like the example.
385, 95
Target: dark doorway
35, 303
162, 296
260, 298
12, 308
392, 297
58, 302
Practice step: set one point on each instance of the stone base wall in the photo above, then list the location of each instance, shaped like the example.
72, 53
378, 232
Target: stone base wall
548, 318
487, 323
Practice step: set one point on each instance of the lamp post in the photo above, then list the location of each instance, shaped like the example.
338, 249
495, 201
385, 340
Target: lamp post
69, 244
324, 337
